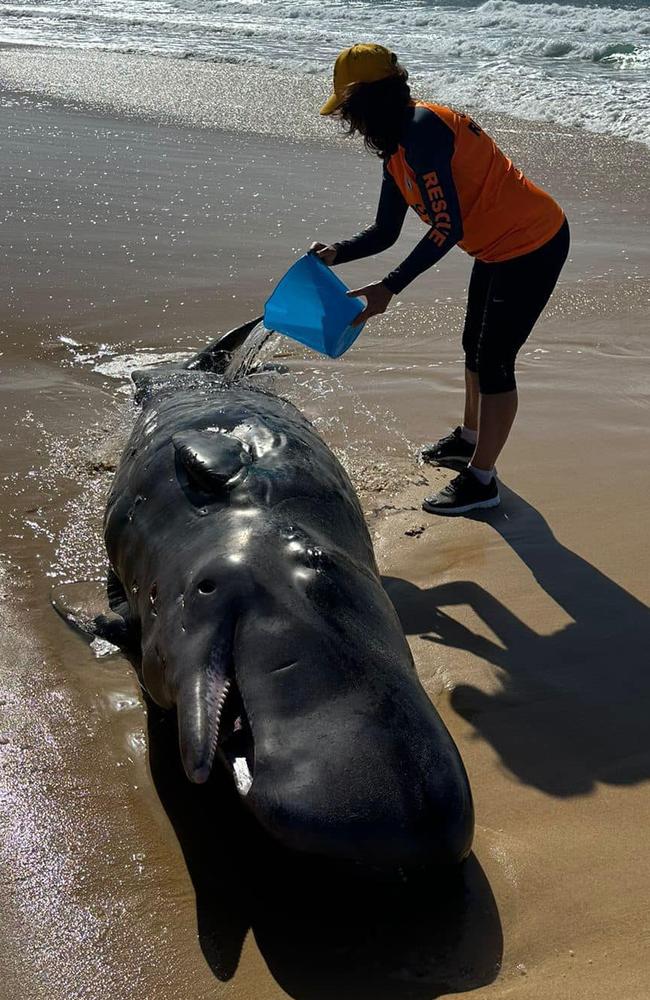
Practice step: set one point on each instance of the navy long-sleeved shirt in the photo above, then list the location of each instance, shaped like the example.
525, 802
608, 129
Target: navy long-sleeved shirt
426, 149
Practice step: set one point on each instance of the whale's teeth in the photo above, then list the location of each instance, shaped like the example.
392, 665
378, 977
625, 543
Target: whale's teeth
220, 704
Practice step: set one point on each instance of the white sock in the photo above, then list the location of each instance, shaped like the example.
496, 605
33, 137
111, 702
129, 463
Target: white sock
483, 475
468, 435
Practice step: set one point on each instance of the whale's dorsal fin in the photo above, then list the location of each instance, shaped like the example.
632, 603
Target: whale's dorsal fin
213, 460
216, 356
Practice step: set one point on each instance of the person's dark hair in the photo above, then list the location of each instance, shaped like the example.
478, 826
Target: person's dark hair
376, 111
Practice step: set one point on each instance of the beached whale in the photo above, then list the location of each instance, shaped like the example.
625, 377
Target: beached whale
243, 575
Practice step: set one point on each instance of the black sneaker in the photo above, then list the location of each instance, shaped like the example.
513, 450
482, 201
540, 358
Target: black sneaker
452, 448
462, 494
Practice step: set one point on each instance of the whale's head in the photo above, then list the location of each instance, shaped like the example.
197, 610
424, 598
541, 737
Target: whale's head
287, 664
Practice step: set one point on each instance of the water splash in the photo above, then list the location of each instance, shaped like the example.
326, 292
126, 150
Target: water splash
259, 343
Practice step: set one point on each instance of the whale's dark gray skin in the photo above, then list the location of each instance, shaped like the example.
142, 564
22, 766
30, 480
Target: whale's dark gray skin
242, 565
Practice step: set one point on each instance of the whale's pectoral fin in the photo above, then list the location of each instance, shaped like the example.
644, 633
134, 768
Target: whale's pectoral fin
212, 461
116, 594
75, 603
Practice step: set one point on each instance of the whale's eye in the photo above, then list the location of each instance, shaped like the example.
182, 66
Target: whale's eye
206, 587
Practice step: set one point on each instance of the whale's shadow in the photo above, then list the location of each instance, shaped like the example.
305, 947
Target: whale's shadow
324, 931
573, 707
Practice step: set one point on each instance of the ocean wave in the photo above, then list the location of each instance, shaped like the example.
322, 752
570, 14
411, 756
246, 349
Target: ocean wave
590, 61
500, 26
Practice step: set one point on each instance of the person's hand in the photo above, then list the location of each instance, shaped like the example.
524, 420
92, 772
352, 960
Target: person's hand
326, 253
377, 296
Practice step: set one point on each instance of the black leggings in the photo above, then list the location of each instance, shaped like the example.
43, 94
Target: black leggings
504, 302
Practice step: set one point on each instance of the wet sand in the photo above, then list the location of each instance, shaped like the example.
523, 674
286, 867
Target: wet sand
529, 627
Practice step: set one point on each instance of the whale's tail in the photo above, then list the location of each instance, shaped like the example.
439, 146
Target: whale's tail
214, 359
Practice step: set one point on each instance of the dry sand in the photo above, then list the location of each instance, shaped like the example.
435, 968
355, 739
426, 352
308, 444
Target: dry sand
530, 627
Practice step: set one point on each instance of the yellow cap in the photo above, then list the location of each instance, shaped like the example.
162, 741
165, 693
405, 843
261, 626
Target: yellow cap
364, 63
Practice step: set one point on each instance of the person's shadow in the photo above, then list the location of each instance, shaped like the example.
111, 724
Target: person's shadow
573, 707
326, 932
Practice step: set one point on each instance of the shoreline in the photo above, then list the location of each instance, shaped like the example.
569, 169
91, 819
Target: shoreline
264, 115
528, 628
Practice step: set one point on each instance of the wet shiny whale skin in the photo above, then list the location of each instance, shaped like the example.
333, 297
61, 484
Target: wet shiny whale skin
241, 562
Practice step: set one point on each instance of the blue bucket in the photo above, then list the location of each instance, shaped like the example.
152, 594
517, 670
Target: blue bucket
310, 305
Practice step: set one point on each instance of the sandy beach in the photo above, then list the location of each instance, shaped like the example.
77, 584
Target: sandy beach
130, 236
